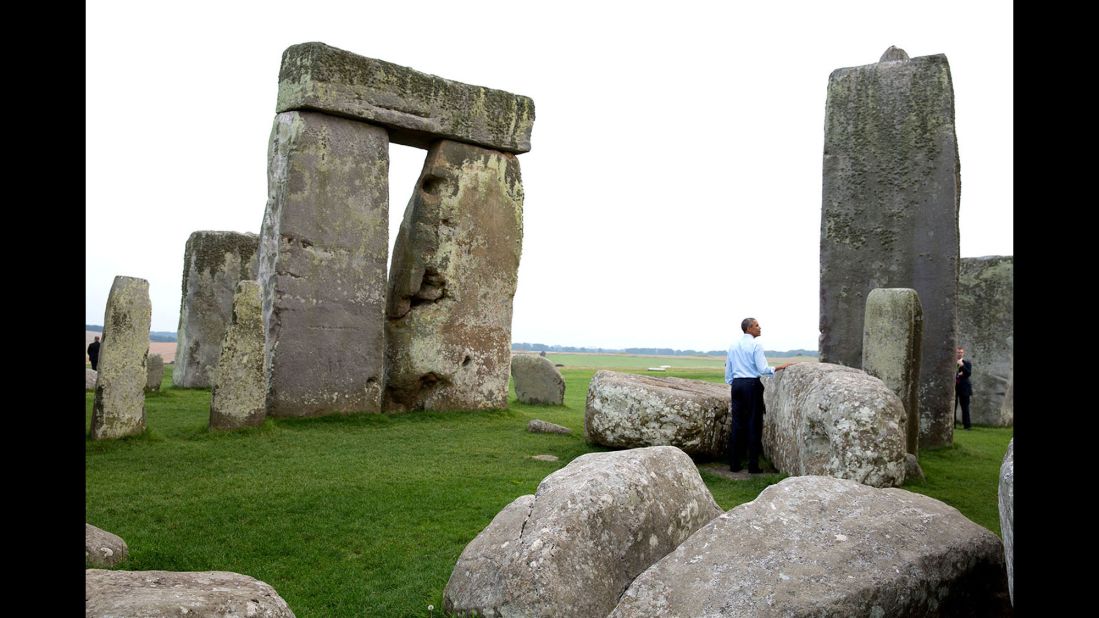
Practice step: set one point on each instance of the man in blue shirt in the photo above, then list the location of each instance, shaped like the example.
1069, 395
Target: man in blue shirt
743, 367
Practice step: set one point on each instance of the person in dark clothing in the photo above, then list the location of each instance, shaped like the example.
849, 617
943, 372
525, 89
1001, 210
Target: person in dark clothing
963, 390
93, 354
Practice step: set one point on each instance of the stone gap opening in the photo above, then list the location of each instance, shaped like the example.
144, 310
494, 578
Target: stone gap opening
405, 165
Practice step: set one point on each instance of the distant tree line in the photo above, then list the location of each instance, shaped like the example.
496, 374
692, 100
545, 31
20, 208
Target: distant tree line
541, 347
154, 335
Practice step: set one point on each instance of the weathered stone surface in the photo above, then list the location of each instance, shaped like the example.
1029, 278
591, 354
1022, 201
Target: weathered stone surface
986, 326
213, 264
836, 421
240, 388
415, 107
893, 54
891, 349
103, 549
625, 411
819, 546
1006, 495
119, 408
171, 593
890, 216
539, 426
537, 380
155, 367
322, 258
454, 273
90, 376
574, 546
912, 469
1007, 408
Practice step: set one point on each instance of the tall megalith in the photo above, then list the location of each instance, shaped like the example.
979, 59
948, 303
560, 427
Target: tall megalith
890, 198
119, 408
213, 264
452, 281
322, 259
891, 349
986, 324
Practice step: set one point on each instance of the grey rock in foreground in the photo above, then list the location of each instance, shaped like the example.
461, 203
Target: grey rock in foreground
415, 107
891, 189
574, 546
820, 546
537, 381
322, 256
891, 349
155, 368
625, 411
239, 397
119, 408
539, 426
986, 325
213, 264
836, 421
172, 593
90, 376
103, 549
451, 285
1006, 498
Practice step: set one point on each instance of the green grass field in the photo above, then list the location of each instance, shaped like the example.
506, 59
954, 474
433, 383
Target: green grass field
367, 514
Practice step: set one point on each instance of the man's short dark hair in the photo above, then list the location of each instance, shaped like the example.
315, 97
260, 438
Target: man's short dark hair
745, 323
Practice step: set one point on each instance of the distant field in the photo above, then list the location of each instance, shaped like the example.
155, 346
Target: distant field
629, 361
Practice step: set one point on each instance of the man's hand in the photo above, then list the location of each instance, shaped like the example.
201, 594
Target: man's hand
784, 366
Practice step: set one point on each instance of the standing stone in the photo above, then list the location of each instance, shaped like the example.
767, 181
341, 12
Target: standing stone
322, 259
239, 395
890, 215
832, 420
155, 368
454, 273
1006, 496
986, 324
537, 380
172, 593
213, 263
415, 107
119, 408
1007, 409
891, 349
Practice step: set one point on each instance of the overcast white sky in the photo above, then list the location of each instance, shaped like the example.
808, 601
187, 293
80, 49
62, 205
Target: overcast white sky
674, 182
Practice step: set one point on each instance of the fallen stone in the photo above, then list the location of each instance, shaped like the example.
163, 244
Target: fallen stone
537, 381
540, 426
171, 593
103, 549
544, 457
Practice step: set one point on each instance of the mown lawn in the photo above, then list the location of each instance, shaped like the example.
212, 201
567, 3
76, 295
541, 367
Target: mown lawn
367, 514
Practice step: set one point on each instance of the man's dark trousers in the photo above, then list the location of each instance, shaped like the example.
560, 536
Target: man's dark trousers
747, 411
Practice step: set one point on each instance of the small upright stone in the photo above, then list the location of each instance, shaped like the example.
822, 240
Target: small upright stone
213, 263
891, 338
537, 380
239, 395
103, 549
156, 373
119, 408
454, 273
90, 376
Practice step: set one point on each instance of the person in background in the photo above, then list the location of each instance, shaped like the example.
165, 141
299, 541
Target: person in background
963, 389
93, 353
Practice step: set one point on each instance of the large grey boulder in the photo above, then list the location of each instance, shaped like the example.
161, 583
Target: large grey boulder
454, 274
626, 411
1006, 498
889, 218
820, 546
891, 349
119, 408
836, 421
574, 546
986, 324
415, 107
103, 549
171, 593
537, 380
322, 256
90, 376
213, 264
239, 395
155, 368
